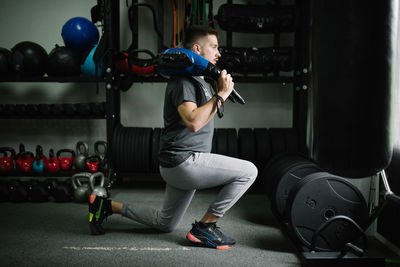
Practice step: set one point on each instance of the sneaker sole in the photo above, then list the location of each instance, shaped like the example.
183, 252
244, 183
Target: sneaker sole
206, 243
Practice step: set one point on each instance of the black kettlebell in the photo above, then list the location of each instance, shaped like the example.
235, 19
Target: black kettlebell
100, 149
28, 59
82, 152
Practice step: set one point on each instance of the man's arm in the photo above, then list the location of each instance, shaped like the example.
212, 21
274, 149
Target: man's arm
196, 117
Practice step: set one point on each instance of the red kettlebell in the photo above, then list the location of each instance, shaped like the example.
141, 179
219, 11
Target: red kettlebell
7, 161
52, 163
24, 159
66, 162
93, 163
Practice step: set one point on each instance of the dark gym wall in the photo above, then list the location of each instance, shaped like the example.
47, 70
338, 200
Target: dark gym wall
268, 105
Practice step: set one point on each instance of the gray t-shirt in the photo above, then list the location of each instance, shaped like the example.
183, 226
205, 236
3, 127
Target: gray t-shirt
177, 141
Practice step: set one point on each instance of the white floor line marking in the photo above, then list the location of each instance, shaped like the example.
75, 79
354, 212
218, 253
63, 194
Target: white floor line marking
126, 248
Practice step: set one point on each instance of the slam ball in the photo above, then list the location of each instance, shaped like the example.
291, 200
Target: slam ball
80, 34
4, 65
28, 58
63, 61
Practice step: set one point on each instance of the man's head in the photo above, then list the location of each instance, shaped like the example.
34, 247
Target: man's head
202, 40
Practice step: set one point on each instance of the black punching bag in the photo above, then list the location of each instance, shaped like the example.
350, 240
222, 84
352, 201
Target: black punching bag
353, 44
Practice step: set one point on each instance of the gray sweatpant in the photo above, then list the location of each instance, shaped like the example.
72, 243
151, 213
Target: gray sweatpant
199, 171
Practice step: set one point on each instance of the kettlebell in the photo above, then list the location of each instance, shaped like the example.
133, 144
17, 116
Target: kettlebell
93, 163
38, 164
52, 164
82, 152
66, 163
7, 161
24, 159
80, 182
102, 153
97, 190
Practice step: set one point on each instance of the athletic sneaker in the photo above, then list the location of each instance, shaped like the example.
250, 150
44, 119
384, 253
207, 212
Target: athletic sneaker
209, 235
99, 209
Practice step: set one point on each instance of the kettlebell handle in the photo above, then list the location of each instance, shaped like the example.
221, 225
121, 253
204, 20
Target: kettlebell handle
85, 147
8, 149
76, 182
65, 150
93, 177
97, 144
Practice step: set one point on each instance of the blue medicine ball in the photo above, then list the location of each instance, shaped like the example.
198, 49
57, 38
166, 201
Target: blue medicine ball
88, 67
80, 34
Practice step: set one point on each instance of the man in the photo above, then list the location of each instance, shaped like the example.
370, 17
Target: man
186, 163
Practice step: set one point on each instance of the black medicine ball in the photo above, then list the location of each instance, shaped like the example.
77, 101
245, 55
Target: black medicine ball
63, 61
28, 59
4, 65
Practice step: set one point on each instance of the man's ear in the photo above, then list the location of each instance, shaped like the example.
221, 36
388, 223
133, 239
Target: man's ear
196, 48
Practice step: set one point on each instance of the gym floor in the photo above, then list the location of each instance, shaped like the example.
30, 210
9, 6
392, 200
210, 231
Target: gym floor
57, 234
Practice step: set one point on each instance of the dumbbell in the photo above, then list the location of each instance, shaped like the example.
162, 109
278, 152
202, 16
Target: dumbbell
70, 109
20, 109
44, 109
32, 110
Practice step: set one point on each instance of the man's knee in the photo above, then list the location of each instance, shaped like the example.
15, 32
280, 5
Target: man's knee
252, 171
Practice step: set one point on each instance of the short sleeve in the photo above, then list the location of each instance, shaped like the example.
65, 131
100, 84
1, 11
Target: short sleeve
181, 90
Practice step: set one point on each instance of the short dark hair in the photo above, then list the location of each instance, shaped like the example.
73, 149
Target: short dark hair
194, 33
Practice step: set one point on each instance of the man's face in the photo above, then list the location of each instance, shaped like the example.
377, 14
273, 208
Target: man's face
209, 48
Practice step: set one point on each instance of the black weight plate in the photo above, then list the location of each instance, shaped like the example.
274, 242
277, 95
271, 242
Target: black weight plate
278, 142
232, 143
214, 142
318, 197
273, 168
115, 147
291, 138
222, 142
155, 147
147, 135
287, 181
247, 149
263, 146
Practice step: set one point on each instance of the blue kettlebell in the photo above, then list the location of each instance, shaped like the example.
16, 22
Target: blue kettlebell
38, 164
88, 68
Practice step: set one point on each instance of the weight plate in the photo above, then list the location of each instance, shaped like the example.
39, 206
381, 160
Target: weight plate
246, 144
147, 135
222, 142
271, 171
155, 147
278, 143
291, 139
232, 143
263, 146
318, 197
282, 189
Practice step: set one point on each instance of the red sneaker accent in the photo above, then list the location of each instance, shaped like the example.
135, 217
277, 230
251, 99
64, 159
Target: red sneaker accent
192, 238
223, 247
92, 198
